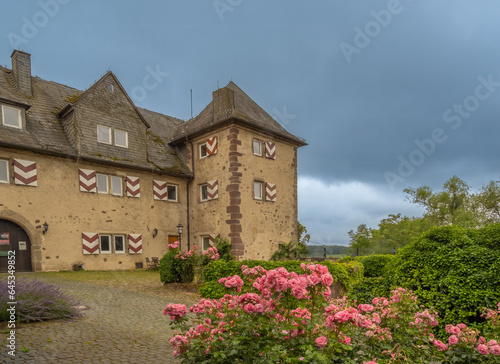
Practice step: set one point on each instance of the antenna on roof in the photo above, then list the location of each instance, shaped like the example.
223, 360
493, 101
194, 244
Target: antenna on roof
191, 82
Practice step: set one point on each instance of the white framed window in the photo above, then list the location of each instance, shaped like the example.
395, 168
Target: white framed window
205, 243
119, 243
172, 193
116, 186
204, 192
257, 147
102, 183
203, 150
103, 134
11, 117
121, 138
4, 171
105, 243
257, 190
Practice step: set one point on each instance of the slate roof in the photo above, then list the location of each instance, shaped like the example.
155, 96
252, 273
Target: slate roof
45, 132
244, 110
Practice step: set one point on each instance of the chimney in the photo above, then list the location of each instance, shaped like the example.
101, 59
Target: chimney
21, 72
223, 103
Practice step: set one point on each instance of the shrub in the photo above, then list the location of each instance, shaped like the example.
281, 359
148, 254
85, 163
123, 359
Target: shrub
365, 290
454, 270
375, 264
346, 274
292, 319
37, 301
169, 268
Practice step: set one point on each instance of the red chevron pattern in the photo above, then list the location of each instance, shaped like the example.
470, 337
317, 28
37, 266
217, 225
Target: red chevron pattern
134, 243
213, 189
25, 173
88, 181
133, 186
212, 145
270, 192
212, 238
90, 243
270, 150
160, 191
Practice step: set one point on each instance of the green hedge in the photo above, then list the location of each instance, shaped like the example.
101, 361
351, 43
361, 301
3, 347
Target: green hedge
454, 270
375, 264
169, 267
347, 274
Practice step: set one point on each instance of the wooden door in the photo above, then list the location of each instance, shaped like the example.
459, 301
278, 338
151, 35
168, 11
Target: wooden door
172, 238
13, 237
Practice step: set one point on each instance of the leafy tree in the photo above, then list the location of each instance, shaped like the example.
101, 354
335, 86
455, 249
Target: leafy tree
286, 251
452, 206
303, 238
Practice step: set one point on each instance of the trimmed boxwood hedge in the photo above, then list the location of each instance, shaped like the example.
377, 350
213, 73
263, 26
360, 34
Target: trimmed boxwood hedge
375, 264
347, 274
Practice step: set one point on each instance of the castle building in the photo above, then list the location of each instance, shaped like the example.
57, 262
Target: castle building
89, 179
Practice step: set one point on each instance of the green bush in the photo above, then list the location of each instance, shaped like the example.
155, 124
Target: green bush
454, 270
375, 264
169, 267
347, 274
365, 290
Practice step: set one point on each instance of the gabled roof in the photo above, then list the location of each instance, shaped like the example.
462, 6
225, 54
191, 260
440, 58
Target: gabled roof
243, 110
45, 132
77, 98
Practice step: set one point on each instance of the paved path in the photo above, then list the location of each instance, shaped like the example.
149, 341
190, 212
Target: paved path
120, 326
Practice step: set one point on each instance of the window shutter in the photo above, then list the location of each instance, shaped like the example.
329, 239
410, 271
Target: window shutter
25, 173
160, 191
90, 242
134, 243
212, 145
270, 150
88, 181
212, 238
213, 189
133, 186
270, 192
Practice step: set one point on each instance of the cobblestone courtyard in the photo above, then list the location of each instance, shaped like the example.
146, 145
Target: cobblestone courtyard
123, 324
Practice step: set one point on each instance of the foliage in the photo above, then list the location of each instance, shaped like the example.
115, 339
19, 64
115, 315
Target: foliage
374, 265
365, 290
286, 251
454, 270
302, 239
346, 274
224, 248
36, 301
292, 319
169, 268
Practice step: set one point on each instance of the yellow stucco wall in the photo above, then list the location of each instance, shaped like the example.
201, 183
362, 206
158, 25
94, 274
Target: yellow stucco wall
69, 212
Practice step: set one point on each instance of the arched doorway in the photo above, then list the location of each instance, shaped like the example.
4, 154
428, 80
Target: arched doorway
14, 238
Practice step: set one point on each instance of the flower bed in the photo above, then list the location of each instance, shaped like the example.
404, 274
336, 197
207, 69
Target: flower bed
289, 317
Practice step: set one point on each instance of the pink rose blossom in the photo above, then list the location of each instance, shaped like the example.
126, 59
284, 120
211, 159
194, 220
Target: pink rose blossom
483, 349
321, 341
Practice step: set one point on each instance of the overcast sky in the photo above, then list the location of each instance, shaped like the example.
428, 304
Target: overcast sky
388, 94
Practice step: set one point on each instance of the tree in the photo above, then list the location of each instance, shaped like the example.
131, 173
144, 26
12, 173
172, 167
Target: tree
361, 239
452, 206
303, 238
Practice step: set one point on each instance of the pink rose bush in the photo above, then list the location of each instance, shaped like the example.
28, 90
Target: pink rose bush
288, 317
212, 253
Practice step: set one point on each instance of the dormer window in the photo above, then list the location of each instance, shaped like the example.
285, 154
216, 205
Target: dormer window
121, 138
103, 134
11, 117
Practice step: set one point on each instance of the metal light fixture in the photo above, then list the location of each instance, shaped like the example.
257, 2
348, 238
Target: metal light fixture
155, 232
179, 231
45, 227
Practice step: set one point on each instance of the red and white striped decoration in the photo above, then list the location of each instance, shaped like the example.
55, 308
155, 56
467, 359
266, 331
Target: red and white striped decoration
134, 243
270, 150
90, 242
133, 186
212, 145
88, 182
25, 173
212, 238
270, 192
213, 189
160, 191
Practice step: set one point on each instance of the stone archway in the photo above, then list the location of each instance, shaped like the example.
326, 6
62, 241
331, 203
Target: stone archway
33, 234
